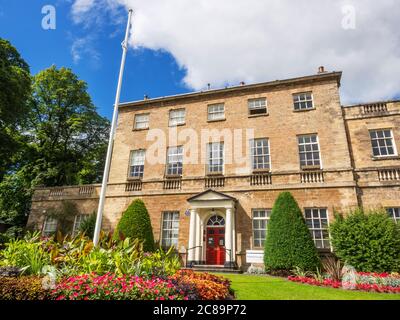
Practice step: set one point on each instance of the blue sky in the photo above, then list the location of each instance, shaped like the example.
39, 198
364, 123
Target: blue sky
179, 46
147, 72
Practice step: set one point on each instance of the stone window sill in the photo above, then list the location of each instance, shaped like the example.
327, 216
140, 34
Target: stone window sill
385, 158
144, 129
304, 110
217, 120
258, 115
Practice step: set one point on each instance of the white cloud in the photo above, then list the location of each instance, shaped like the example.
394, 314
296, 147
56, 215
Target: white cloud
84, 47
228, 41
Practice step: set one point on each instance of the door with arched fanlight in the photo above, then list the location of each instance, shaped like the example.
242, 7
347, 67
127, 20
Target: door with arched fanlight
215, 240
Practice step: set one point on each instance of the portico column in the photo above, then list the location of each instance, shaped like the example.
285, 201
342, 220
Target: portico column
197, 251
192, 236
228, 238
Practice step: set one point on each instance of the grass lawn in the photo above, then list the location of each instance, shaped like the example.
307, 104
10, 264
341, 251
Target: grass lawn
249, 287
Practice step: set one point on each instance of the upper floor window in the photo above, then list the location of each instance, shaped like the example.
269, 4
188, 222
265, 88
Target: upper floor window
303, 101
77, 223
50, 226
177, 117
257, 106
170, 229
216, 112
174, 161
382, 143
394, 213
260, 158
137, 164
141, 121
215, 158
260, 223
317, 222
309, 151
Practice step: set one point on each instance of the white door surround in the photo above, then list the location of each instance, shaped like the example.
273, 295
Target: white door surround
202, 207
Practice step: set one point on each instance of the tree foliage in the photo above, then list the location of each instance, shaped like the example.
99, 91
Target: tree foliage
289, 244
15, 82
369, 241
135, 224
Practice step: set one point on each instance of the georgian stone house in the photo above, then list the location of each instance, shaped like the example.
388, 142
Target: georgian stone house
213, 205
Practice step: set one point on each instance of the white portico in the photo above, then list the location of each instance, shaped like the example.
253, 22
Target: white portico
212, 231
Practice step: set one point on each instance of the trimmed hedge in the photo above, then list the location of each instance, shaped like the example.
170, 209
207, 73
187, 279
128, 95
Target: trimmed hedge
369, 241
135, 223
289, 244
22, 288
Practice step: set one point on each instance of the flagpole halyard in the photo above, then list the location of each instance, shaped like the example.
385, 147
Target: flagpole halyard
100, 209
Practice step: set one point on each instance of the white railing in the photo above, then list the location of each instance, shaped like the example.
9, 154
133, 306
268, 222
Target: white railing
260, 179
312, 177
375, 108
389, 174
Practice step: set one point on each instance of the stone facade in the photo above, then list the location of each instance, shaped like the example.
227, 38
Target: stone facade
349, 176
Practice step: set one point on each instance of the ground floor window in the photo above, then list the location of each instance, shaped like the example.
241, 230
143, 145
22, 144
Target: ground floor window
77, 223
394, 213
318, 223
260, 222
49, 226
170, 229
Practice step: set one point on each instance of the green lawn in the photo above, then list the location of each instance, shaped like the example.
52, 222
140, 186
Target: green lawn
249, 287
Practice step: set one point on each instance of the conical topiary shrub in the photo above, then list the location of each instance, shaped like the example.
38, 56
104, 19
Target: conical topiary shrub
135, 224
289, 244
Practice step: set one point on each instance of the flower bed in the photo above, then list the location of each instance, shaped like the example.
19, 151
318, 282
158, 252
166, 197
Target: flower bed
184, 285
372, 282
208, 286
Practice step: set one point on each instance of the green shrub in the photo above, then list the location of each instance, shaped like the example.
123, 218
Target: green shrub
27, 253
289, 244
369, 241
135, 224
23, 288
88, 225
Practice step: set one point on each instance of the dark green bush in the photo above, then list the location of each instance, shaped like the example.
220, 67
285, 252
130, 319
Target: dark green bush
135, 224
369, 241
289, 244
88, 225
22, 288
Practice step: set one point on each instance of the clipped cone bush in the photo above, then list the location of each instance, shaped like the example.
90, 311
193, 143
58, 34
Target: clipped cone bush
289, 244
135, 224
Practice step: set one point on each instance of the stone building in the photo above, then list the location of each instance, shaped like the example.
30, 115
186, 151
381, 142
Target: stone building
209, 165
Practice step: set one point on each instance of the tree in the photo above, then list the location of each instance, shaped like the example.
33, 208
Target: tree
68, 138
15, 82
289, 244
369, 241
135, 224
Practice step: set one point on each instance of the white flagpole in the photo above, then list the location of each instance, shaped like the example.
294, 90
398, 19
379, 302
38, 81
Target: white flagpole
100, 209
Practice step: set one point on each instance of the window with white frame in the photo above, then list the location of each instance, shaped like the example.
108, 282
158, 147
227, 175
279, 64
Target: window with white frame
215, 158
260, 157
257, 106
174, 161
49, 226
317, 222
216, 112
142, 121
79, 218
382, 143
137, 164
309, 150
170, 229
177, 117
260, 224
303, 101
394, 213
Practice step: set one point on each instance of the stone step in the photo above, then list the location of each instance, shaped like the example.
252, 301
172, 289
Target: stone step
215, 269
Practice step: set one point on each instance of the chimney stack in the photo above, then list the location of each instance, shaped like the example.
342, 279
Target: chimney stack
242, 83
208, 86
321, 69
146, 97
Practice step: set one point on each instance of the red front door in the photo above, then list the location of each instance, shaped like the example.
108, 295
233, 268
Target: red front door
215, 246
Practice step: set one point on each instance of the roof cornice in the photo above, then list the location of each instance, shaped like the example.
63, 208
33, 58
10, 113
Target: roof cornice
242, 88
